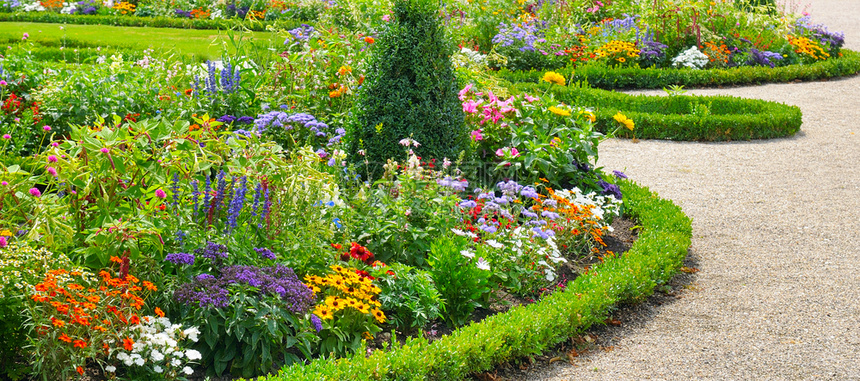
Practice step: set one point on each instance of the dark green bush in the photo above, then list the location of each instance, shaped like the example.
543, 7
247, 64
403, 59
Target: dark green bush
411, 90
525, 331
699, 118
154, 22
603, 77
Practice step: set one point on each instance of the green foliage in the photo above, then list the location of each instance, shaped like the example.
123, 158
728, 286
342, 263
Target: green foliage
154, 22
604, 77
681, 117
410, 295
460, 282
526, 331
410, 90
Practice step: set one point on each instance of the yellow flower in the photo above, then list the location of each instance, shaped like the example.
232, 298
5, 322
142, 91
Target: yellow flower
625, 121
378, 315
559, 111
589, 115
323, 312
553, 77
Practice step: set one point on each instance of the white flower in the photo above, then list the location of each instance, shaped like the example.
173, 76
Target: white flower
157, 369
495, 244
110, 368
157, 356
458, 232
409, 141
176, 362
483, 264
187, 370
139, 361
467, 253
193, 355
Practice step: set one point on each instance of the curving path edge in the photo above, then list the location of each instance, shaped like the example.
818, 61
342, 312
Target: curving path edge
776, 235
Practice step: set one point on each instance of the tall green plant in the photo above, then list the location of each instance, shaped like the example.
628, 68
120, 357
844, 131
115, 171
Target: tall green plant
410, 90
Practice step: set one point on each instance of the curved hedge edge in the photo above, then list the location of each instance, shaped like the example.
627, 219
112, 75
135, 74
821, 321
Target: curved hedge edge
639, 78
670, 117
152, 22
654, 258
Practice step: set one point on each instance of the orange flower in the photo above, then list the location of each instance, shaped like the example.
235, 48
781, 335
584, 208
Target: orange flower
128, 343
188, 92
134, 319
115, 259
100, 328
64, 337
80, 370
57, 322
159, 312
80, 344
369, 40
149, 286
75, 287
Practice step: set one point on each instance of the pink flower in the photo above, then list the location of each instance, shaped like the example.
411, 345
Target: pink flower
462, 93
514, 152
104, 150
3, 83
160, 193
35, 192
477, 136
46, 128
55, 144
503, 151
471, 106
52, 171
386, 18
26, 36
4, 183
52, 159
530, 98
7, 136
3, 242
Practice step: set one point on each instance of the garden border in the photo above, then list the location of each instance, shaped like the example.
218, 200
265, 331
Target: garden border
664, 239
152, 22
650, 78
681, 117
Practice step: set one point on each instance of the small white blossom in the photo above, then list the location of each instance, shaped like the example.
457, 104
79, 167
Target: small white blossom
110, 368
187, 370
495, 244
157, 369
483, 264
467, 253
193, 354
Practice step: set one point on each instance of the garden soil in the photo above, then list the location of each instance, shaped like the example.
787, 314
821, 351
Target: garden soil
776, 239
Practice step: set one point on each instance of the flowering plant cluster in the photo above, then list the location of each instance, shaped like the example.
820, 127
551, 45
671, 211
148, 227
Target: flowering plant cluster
156, 349
691, 58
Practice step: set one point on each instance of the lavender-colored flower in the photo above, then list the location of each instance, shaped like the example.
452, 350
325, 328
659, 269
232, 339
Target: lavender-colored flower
468, 204
180, 236
509, 188
529, 192
610, 189
316, 322
195, 196
457, 185
302, 33
180, 258
763, 58
265, 253
267, 206
550, 215
219, 193
174, 189
183, 14
236, 205
529, 213
489, 228
227, 119
213, 251
207, 192
524, 35
619, 174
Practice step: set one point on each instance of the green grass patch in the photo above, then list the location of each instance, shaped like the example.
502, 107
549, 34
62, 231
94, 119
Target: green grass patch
604, 77
201, 44
680, 117
654, 258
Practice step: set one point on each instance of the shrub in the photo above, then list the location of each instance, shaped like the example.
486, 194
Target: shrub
462, 279
410, 294
410, 90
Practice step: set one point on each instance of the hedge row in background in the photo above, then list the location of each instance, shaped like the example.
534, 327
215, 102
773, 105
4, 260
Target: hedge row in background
629, 78
154, 22
681, 117
77, 51
524, 331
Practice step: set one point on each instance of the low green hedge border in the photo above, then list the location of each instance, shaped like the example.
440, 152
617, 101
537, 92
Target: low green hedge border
637, 78
153, 22
525, 331
681, 117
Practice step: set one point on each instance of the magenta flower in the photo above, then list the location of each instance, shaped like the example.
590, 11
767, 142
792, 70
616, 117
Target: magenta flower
160, 193
104, 150
46, 128
462, 93
4, 183
477, 136
55, 144
471, 106
503, 151
52, 171
7, 136
35, 192
3, 242
52, 159
3, 83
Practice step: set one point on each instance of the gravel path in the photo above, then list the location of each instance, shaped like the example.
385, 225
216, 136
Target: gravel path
776, 235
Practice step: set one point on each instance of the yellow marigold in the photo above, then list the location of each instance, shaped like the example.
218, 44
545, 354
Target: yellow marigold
553, 77
559, 111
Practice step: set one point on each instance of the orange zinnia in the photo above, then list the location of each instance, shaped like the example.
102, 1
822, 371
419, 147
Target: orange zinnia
369, 40
80, 370
159, 312
80, 344
64, 337
57, 322
128, 343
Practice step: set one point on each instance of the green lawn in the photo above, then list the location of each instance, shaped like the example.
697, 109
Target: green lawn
202, 43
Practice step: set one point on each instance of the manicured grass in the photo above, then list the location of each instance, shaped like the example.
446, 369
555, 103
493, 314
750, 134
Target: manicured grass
201, 43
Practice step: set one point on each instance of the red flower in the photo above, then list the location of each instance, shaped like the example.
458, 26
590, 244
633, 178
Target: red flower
80, 370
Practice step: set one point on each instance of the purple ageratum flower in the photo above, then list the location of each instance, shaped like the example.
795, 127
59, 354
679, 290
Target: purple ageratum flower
302, 33
550, 215
455, 184
529, 192
265, 253
183, 14
763, 58
468, 204
619, 174
180, 258
509, 188
529, 213
489, 228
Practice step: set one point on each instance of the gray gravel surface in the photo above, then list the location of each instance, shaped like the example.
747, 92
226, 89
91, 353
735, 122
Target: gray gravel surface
776, 235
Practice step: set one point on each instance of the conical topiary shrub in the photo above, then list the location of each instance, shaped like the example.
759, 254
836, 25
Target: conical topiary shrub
410, 91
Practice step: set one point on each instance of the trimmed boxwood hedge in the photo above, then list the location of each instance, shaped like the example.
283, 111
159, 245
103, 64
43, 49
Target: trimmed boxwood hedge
637, 78
529, 330
681, 117
153, 22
